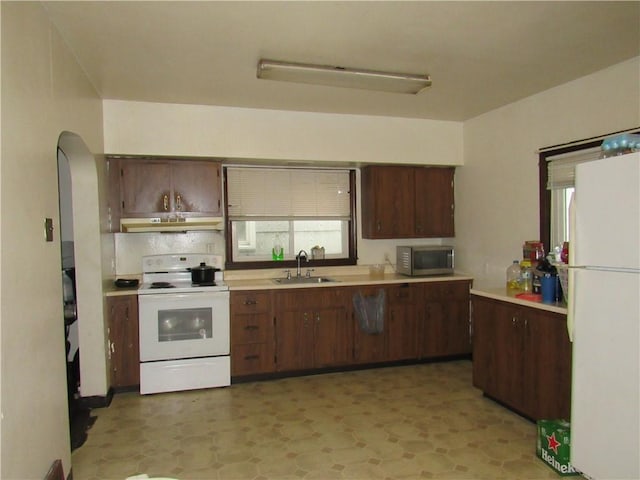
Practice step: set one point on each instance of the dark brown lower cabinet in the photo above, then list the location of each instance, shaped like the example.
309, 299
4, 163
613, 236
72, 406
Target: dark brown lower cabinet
402, 320
124, 347
446, 322
312, 329
298, 329
252, 335
368, 347
522, 357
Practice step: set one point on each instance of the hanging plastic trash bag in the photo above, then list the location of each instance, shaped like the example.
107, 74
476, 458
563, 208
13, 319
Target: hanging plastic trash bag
370, 311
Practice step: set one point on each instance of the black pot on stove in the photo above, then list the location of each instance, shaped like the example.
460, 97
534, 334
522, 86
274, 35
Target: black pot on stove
203, 274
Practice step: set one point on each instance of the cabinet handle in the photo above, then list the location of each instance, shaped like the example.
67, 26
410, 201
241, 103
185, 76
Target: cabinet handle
250, 302
378, 226
251, 327
513, 321
317, 318
178, 202
251, 357
165, 202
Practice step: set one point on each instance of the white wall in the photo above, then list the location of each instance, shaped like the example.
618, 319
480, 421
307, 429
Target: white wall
253, 134
227, 132
497, 189
43, 93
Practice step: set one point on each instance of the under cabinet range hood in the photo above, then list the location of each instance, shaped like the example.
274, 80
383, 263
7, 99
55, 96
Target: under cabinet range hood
162, 225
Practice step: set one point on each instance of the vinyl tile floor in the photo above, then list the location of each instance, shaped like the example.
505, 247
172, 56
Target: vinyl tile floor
410, 422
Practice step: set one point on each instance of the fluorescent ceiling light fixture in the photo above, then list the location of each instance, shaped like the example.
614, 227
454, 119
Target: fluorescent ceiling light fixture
343, 77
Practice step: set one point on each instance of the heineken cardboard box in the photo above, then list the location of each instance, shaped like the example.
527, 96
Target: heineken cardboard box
554, 446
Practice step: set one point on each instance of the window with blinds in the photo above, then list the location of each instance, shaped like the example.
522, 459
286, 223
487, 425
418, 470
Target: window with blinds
289, 209
287, 193
561, 168
557, 180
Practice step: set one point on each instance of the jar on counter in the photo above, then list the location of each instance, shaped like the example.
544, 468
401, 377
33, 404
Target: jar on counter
514, 277
527, 276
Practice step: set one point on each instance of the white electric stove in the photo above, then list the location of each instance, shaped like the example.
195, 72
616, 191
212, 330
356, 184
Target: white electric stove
184, 327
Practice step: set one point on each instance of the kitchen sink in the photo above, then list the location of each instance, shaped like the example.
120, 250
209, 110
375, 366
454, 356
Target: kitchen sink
302, 280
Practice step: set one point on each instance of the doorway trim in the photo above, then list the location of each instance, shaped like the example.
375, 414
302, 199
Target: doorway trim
88, 253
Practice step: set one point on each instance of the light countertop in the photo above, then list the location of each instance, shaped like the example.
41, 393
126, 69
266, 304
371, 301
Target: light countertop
360, 277
341, 281
500, 293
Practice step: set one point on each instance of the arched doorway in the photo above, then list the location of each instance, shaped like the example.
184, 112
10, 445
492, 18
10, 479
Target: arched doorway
89, 257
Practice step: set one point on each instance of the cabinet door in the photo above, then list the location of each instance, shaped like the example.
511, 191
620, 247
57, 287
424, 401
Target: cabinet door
333, 334
295, 324
196, 187
434, 206
388, 202
368, 347
145, 187
446, 319
402, 321
294, 333
498, 351
114, 202
123, 341
548, 366
333, 337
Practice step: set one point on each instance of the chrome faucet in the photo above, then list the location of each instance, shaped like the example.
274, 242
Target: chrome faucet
301, 254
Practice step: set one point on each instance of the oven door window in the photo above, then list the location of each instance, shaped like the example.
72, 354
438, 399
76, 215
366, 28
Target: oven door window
185, 324
174, 326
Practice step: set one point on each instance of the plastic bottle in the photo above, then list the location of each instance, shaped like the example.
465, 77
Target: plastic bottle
527, 276
277, 252
514, 277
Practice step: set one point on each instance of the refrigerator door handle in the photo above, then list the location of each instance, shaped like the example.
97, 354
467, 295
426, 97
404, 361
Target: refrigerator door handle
571, 304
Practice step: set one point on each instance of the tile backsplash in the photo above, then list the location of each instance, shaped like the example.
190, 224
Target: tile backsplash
131, 247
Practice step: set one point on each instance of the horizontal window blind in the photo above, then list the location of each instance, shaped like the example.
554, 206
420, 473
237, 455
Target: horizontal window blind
561, 168
271, 193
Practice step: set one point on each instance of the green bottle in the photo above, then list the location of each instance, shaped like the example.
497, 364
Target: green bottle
277, 252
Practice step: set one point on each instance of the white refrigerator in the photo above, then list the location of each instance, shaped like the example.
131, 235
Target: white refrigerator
604, 318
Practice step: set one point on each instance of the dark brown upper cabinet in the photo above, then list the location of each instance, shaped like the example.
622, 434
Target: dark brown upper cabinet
407, 202
162, 188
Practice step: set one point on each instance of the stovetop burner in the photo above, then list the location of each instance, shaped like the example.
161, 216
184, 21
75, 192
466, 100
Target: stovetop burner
171, 274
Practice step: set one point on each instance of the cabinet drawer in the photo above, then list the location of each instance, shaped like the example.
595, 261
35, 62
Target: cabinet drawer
251, 328
250, 302
251, 359
402, 293
449, 290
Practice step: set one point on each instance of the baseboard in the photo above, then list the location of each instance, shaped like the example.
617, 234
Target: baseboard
97, 401
344, 368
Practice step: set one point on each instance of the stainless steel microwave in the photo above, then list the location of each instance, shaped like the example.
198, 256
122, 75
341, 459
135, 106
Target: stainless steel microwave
419, 261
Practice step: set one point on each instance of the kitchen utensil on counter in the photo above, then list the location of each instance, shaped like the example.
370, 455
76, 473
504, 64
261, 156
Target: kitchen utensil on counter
376, 271
317, 253
527, 276
126, 282
514, 277
549, 287
203, 274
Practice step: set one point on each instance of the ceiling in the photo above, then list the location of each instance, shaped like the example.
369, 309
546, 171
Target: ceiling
480, 55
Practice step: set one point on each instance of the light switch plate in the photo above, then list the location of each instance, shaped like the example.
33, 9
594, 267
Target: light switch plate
48, 229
